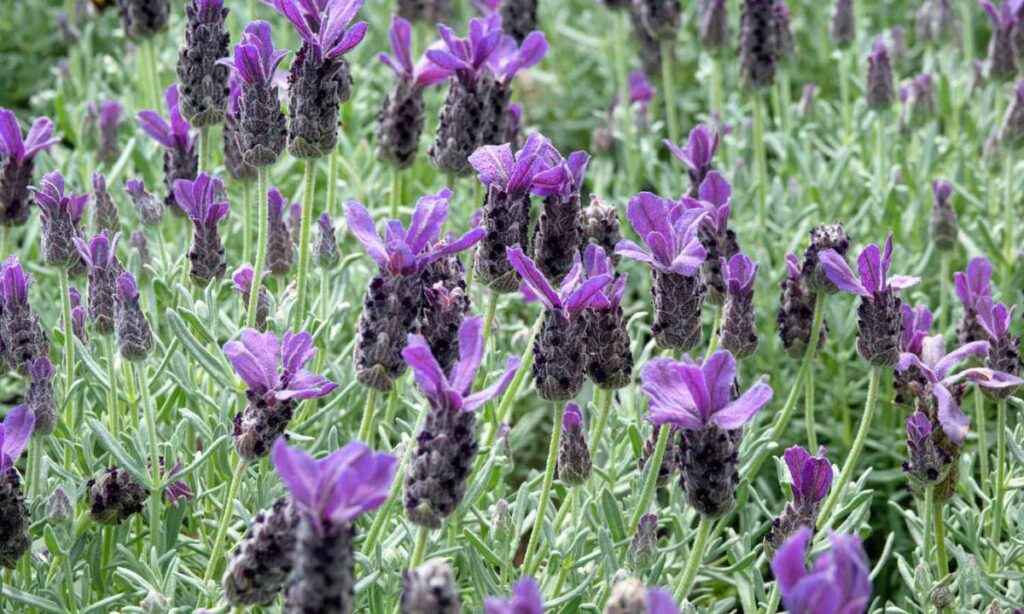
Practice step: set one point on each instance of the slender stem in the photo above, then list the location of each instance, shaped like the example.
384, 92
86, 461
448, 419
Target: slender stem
785, 101
247, 221
307, 215
366, 425
501, 415
396, 192
149, 412
35, 467
604, 406
941, 559
944, 290
718, 313
332, 182
225, 521
651, 469
422, 538
69, 337
858, 444
696, 558
325, 294
760, 164
926, 523
1008, 222
115, 414
261, 246
492, 307
806, 364
881, 179
1000, 500
558, 410
812, 436
982, 428
204, 149
153, 69
667, 74
844, 92
773, 599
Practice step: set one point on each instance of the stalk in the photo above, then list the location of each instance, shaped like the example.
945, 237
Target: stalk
558, 412
979, 417
880, 178
396, 192
944, 290
1000, 499
806, 364
332, 182
308, 184
204, 149
941, 559
246, 221
812, 436
926, 523
718, 314
696, 558
366, 425
667, 68
759, 162
1008, 222
149, 412
604, 406
69, 337
225, 521
115, 415
261, 246
492, 307
422, 537
651, 469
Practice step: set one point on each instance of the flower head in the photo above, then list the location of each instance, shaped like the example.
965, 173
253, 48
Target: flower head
173, 135
641, 92
1004, 17
203, 200
872, 264
839, 582
466, 57
713, 198
14, 283
241, 279
255, 59
573, 295
739, 273
975, 283
338, 488
917, 322
919, 429
536, 168
274, 368
453, 390
408, 250
510, 57
100, 251
690, 395
669, 229
994, 318
698, 153
54, 201
596, 263
812, 475
14, 435
526, 599
38, 139
422, 74
324, 24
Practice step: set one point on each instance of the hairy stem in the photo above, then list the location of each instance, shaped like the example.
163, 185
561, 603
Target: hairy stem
366, 424
1000, 487
261, 246
558, 410
308, 183
668, 82
651, 470
149, 413
696, 558
225, 520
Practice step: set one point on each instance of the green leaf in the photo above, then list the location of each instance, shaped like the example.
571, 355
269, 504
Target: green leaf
216, 368
123, 459
613, 515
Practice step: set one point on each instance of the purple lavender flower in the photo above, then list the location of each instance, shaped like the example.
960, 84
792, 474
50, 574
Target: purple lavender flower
39, 396
785, 44
811, 479
559, 353
643, 547
326, 249
972, 286
435, 480
508, 59
320, 79
180, 158
14, 519
242, 283
204, 80
558, 235
205, 202
944, 228
574, 463
1004, 349
697, 155
260, 133
937, 21
104, 210
60, 213
879, 90
526, 599
641, 91
675, 256
235, 164
144, 18
15, 432
916, 324
134, 335
718, 239
18, 162
839, 581
77, 315
880, 318
138, 241
329, 495
739, 327
147, 207
759, 44
262, 561
176, 490
1002, 63
444, 307
609, 359
601, 226
272, 369
22, 338
713, 24
648, 46
698, 399
796, 310
109, 122
661, 18
1011, 130
279, 242
843, 29
100, 256
114, 497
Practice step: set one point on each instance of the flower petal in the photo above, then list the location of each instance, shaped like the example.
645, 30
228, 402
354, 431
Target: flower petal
742, 410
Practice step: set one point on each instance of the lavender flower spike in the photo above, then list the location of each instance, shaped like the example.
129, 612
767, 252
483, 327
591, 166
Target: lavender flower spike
508, 59
739, 328
435, 480
972, 286
838, 582
18, 162
144, 18
39, 396
843, 29
879, 90
880, 320
560, 348
14, 519
558, 235
180, 158
1002, 63
609, 360
329, 495
149, 210
104, 210
60, 213
526, 599
718, 239
109, 122
759, 44
134, 335
1004, 348
22, 338
204, 80
811, 479
274, 372
697, 399
100, 256
279, 242
574, 462
697, 155
242, 280
944, 229
796, 310
204, 201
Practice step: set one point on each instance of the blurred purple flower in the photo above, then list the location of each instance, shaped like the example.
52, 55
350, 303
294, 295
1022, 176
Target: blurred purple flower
15, 432
812, 475
526, 599
172, 135
838, 583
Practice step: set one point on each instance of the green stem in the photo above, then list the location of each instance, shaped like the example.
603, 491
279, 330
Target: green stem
366, 424
332, 182
944, 290
926, 523
844, 92
667, 77
308, 184
858, 444
492, 307
1000, 499
115, 414
204, 149
982, 428
760, 164
696, 558
501, 415
396, 192
325, 294
773, 599
812, 436
149, 413
806, 364
35, 467
651, 469
1008, 222
941, 559
881, 179
225, 521
558, 411
69, 338
422, 538
717, 314
247, 221
261, 246
603, 409
153, 70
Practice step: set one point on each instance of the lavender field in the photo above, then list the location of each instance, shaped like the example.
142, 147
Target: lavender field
511, 306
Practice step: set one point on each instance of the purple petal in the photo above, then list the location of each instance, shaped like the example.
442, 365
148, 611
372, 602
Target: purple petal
742, 410
156, 127
660, 602
475, 400
429, 376
298, 472
11, 143
471, 353
427, 219
719, 374
789, 563
715, 189
628, 249
952, 419
17, 429
533, 277
670, 399
494, 164
869, 265
947, 362
840, 273
362, 226
588, 292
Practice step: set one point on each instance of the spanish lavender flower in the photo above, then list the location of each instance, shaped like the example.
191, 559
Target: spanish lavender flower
180, 158
784, 42
669, 230
917, 101
630, 596
713, 24
394, 297
279, 241
430, 589
811, 479
134, 336
718, 239
661, 18
898, 44
100, 256
759, 43
138, 241
641, 93
601, 226
928, 461
242, 284
144, 18
205, 202
648, 46
698, 399
944, 226
329, 494
260, 132
878, 89
843, 29
466, 113
77, 315
429, 11
114, 496
739, 328
204, 80
937, 21
697, 155
273, 371
609, 359
1002, 63
643, 547
560, 350
526, 599
435, 480
1003, 354
22, 338
917, 323
839, 581
14, 519
824, 237
509, 180
972, 286
326, 250
59, 507
558, 235
574, 464
295, 222
17, 164
109, 122
104, 211
505, 62
149, 210
1011, 130
236, 166
59, 213
320, 79
262, 561
401, 118
880, 320
795, 317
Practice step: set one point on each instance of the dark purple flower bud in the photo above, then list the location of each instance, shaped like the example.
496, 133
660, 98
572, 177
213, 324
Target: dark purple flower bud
14, 518
326, 248
1011, 131
718, 239
77, 315
114, 496
879, 90
104, 211
22, 338
262, 560
796, 311
144, 18
17, 164
824, 237
428, 11
100, 257
661, 18
558, 235
759, 45
574, 464
59, 507
134, 336
1004, 349
109, 122
205, 202
643, 548
59, 214
1002, 63
526, 599
175, 490
713, 24
972, 287
944, 226
927, 463
430, 589
609, 359
204, 80
697, 155
346, 484
739, 327
279, 242
840, 576
149, 210
601, 226
242, 283
811, 479
180, 158
273, 370
843, 29
39, 396
784, 42
648, 46
139, 242
937, 21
